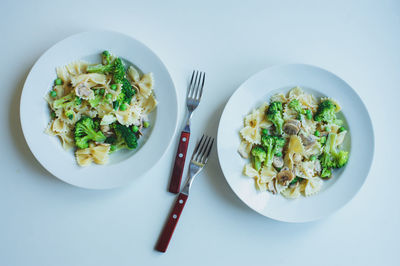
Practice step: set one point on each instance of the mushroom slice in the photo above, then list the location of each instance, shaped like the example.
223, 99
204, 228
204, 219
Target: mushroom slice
291, 127
83, 91
277, 162
284, 177
317, 167
297, 158
106, 129
307, 140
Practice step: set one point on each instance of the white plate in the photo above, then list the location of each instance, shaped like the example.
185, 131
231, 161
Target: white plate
124, 166
338, 190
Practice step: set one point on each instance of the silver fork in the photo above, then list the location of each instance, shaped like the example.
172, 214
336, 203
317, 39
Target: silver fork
199, 159
195, 91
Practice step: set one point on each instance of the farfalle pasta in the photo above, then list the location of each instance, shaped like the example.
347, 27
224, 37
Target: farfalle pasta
293, 143
99, 108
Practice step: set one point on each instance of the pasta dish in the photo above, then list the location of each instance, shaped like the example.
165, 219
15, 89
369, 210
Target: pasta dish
100, 108
293, 143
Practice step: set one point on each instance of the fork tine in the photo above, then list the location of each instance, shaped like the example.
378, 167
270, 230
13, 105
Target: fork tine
190, 84
197, 146
203, 149
204, 154
198, 81
209, 148
193, 85
200, 150
203, 77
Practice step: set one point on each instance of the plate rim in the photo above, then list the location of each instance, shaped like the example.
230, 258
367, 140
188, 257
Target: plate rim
219, 152
173, 112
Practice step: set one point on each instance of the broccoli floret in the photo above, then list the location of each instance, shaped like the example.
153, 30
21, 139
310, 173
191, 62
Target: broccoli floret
258, 156
111, 140
326, 172
296, 106
273, 145
85, 131
106, 57
125, 96
117, 69
274, 114
125, 133
96, 100
70, 114
326, 112
67, 101
108, 65
268, 143
279, 143
331, 157
342, 157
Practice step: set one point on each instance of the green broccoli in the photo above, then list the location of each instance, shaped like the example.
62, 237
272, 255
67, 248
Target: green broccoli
279, 143
273, 145
326, 112
70, 114
268, 143
274, 114
117, 69
331, 157
326, 172
85, 131
116, 143
296, 106
125, 133
108, 65
96, 100
106, 56
258, 156
67, 101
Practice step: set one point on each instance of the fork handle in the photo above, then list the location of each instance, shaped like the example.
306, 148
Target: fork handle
171, 223
175, 183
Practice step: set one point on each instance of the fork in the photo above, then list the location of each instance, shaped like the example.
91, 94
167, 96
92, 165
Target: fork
195, 90
199, 159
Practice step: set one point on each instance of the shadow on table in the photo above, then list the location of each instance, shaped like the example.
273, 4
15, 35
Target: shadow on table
16, 131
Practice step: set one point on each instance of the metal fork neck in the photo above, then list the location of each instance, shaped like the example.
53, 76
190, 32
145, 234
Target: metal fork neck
188, 184
187, 126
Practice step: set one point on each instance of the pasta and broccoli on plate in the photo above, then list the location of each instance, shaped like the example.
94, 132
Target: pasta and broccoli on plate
293, 143
100, 108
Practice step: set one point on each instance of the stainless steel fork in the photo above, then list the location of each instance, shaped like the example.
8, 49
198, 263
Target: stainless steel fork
195, 91
199, 159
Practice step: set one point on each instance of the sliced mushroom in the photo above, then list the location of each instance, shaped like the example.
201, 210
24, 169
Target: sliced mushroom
307, 140
285, 177
271, 187
277, 162
317, 167
291, 127
297, 158
83, 91
106, 130
294, 184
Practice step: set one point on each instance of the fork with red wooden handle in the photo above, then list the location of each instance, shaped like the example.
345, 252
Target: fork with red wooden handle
195, 90
199, 159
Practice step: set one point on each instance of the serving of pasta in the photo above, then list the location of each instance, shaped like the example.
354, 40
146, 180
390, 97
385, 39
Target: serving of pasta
293, 142
100, 108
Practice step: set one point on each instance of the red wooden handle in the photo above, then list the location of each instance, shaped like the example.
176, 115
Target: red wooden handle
172, 221
175, 184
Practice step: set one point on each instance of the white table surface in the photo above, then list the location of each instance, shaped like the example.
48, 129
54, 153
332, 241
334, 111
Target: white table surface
47, 222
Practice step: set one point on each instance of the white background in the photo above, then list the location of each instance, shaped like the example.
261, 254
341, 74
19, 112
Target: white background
47, 222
